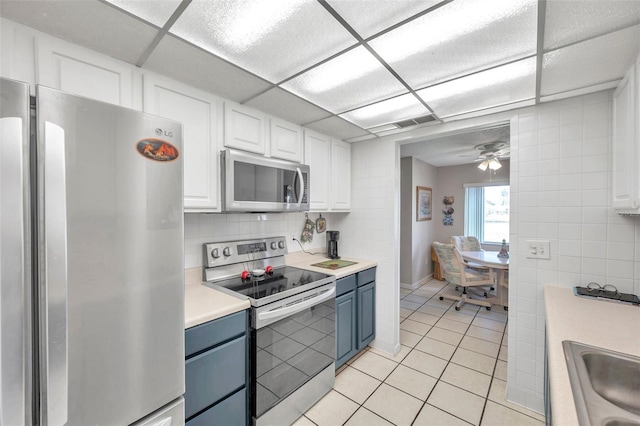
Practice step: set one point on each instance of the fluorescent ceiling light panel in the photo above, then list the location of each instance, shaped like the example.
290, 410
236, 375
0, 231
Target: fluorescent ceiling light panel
571, 21
273, 39
157, 12
592, 62
498, 86
346, 82
383, 128
460, 38
389, 111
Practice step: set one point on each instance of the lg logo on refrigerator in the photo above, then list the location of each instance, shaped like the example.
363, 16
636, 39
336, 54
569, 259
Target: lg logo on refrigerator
161, 132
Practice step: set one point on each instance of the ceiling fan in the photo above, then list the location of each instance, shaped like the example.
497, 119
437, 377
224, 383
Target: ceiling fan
491, 153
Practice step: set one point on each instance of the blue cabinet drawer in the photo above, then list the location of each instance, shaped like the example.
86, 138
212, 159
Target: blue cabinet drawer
209, 334
214, 374
345, 285
366, 276
230, 412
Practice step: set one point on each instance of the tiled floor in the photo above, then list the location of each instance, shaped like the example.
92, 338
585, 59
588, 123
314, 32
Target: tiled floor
452, 370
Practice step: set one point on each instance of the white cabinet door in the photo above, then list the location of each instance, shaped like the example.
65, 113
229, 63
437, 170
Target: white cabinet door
244, 128
340, 175
317, 155
286, 140
83, 72
199, 113
625, 144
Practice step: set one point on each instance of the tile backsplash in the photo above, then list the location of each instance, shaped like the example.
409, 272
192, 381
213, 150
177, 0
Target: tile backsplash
200, 228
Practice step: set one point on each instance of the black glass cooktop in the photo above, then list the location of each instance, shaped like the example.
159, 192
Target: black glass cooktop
281, 280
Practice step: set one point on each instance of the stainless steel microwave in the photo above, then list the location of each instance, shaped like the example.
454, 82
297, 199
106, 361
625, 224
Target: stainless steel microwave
251, 183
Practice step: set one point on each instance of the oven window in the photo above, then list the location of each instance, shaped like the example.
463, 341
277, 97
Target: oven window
291, 351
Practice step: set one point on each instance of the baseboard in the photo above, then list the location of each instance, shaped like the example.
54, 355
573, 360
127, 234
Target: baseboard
417, 284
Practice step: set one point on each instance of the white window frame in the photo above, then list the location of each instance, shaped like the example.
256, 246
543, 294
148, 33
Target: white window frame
475, 226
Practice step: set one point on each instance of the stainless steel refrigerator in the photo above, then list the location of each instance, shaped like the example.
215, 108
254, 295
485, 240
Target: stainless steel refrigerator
92, 278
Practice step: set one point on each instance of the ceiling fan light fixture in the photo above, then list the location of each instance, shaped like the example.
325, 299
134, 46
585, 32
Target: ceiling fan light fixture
494, 164
483, 166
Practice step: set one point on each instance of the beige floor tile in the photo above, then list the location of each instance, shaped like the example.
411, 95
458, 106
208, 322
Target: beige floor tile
452, 314
333, 409
358, 355
497, 314
341, 368
458, 402
405, 290
496, 414
474, 360
501, 370
455, 326
485, 334
405, 312
404, 351
364, 417
435, 301
394, 405
469, 309
303, 421
489, 323
434, 284
409, 339
355, 385
424, 318
446, 336
430, 416
425, 363
467, 379
498, 393
481, 346
504, 353
416, 298
412, 382
432, 310
436, 347
374, 365
409, 305
415, 326
425, 292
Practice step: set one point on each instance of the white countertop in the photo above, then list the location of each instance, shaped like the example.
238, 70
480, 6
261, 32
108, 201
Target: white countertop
203, 304
608, 325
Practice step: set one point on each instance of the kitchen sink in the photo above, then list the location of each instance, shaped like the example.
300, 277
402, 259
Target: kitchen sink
605, 384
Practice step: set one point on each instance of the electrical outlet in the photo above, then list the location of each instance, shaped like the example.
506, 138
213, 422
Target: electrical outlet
538, 249
292, 236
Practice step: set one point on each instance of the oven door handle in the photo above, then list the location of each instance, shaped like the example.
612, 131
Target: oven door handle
288, 310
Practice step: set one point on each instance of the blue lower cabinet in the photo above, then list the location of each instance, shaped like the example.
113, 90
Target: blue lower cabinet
366, 314
229, 412
346, 344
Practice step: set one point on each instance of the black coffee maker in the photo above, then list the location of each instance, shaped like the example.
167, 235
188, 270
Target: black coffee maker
332, 244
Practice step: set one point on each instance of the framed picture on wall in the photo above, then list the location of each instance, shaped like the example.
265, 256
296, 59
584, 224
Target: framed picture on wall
423, 203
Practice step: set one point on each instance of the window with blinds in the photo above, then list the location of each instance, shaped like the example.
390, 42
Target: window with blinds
486, 211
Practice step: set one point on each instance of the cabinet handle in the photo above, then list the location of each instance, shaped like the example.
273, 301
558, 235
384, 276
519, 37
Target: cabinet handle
278, 314
301, 195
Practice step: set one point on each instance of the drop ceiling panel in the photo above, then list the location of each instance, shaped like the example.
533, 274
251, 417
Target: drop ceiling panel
571, 21
389, 111
283, 104
498, 86
348, 81
459, 38
189, 64
157, 12
358, 13
592, 62
337, 127
273, 39
91, 24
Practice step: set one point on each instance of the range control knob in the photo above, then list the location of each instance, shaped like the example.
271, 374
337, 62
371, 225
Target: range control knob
281, 244
274, 245
215, 253
226, 251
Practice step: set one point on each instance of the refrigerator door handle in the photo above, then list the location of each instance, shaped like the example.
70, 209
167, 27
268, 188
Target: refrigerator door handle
56, 368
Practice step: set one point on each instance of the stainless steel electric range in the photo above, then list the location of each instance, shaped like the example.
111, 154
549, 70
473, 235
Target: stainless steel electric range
293, 324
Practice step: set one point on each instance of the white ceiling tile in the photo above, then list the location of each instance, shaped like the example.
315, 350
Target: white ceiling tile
283, 104
91, 24
273, 39
596, 61
346, 82
358, 13
388, 111
571, 21
337, 127
189, 64
459, 38
157, 12
360, 138
498, 86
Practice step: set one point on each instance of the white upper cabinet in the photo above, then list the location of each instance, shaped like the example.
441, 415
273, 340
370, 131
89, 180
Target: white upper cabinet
286, 140
317, 155
83, 72
201, 118
626, 143
340, 175
244, 128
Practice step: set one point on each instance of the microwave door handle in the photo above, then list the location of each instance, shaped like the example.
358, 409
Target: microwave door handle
301, 195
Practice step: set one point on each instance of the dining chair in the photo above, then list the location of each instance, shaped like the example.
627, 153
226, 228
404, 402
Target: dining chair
469, 243
456, 272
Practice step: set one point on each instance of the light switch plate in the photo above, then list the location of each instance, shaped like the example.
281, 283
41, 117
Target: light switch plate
538, 249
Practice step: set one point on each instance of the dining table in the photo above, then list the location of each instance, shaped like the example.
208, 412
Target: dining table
490, 259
